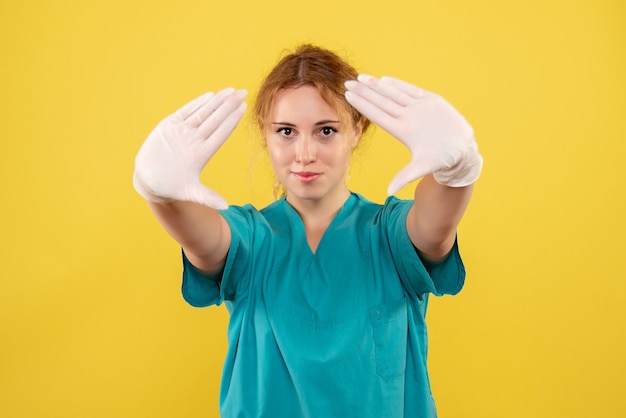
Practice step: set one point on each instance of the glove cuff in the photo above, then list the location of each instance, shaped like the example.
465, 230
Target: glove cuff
464, 172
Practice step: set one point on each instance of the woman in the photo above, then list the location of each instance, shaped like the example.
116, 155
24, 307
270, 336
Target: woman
327, 292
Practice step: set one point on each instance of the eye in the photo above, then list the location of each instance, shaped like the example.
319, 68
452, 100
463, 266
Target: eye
327, 131
285, 131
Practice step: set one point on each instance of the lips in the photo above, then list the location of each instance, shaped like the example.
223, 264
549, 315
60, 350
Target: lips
306, 176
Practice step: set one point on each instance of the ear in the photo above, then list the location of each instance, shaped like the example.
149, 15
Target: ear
358, 130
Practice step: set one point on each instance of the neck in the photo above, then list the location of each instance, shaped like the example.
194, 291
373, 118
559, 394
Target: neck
318, 213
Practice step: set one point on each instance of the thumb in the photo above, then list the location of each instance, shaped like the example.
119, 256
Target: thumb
201, 194
410, 172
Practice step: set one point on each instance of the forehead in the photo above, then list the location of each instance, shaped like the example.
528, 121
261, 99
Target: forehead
302, 104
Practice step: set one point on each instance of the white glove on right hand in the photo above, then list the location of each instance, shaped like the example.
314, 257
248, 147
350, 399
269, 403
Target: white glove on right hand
169, 163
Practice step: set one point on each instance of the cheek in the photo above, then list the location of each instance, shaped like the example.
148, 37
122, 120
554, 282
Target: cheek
341, 153
278, 155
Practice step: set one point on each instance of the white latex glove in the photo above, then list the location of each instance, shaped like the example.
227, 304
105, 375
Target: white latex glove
440, 140
169, 162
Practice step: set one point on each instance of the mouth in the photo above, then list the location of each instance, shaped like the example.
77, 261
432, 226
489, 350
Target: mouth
306, 176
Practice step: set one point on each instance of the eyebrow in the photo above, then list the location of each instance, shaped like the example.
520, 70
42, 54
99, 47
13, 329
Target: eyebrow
322, 122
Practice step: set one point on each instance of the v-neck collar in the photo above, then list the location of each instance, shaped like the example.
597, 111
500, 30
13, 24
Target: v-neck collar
343, 212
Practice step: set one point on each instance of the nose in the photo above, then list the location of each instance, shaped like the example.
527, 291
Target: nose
306, 150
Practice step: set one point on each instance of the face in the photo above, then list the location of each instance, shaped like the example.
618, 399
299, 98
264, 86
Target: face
308, 146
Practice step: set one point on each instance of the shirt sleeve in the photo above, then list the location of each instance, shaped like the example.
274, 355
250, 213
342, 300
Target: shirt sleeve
200, 289
444, 277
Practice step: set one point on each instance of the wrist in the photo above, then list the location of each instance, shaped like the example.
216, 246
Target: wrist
147, 193
463, 173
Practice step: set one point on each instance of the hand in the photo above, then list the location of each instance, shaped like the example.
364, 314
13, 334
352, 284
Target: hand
169, 162
440, 140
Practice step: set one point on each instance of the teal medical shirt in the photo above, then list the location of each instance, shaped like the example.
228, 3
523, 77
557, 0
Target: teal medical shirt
339, 333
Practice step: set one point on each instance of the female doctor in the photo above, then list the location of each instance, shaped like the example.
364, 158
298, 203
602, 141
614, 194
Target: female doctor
327, 291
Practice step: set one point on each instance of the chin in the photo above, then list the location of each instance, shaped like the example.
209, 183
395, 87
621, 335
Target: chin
304, 192
310, 196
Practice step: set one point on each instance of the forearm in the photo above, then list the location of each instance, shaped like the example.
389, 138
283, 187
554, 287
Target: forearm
433, 220
201, 231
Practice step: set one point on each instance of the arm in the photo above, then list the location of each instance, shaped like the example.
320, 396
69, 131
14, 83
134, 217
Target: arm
201, 231
435, 215
167, 175
443, 152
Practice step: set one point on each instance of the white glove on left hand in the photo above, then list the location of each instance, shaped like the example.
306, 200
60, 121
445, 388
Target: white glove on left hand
439, 138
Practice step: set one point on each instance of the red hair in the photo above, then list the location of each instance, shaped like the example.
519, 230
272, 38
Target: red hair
310, 65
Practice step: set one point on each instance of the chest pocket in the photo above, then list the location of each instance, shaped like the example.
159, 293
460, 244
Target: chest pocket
390, 330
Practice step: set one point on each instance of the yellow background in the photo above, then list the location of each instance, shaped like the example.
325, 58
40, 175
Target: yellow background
92, 321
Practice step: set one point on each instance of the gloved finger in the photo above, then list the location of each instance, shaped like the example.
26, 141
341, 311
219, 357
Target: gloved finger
384, 103
206, 109
220, 114
223, 131
387, 90
408, 174
371, 111
193, 105
408, 88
